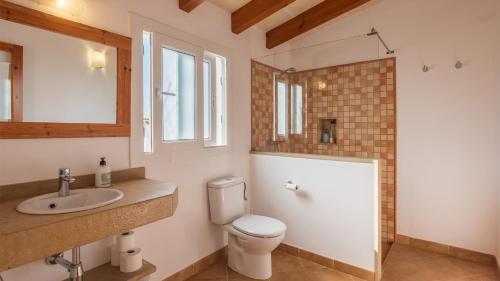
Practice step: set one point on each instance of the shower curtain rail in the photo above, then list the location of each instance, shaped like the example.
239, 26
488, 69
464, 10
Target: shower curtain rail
375, 32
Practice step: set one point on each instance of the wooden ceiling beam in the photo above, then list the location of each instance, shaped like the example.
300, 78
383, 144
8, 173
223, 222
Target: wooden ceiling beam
189, 5
315, 16
255, 11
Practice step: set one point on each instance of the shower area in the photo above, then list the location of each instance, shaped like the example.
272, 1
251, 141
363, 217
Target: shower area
336, 98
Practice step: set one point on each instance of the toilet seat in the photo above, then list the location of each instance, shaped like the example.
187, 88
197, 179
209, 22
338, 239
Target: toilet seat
259, 226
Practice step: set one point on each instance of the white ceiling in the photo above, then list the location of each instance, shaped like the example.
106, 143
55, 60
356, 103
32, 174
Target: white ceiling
277, 18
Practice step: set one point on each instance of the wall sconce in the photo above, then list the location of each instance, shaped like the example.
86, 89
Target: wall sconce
97, 59
321, 85
73, 7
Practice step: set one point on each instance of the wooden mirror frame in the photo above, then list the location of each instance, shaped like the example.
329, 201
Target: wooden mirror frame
28, 130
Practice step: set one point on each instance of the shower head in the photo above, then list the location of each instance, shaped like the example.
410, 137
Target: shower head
288, 71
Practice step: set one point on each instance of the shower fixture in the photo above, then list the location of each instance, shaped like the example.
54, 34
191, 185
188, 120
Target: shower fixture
375, 32
288, 71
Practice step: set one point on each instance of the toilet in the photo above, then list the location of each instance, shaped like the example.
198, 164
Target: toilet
252, 238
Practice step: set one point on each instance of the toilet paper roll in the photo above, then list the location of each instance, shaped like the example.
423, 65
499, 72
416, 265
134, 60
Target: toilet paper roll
131, 260
125, 241
115, 256
291, 186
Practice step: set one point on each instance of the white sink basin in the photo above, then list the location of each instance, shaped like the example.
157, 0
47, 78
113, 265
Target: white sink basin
78, 200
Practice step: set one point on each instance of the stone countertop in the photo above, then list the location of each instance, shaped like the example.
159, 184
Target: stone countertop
25, 238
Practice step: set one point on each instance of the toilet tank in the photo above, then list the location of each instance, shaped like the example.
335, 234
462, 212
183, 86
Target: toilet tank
226, 198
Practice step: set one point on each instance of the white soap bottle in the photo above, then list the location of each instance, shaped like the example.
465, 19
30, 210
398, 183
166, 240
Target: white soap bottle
103, 174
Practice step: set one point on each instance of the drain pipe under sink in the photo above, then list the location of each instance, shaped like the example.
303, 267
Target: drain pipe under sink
74, 267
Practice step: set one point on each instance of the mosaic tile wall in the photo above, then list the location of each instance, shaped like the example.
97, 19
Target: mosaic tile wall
362, 99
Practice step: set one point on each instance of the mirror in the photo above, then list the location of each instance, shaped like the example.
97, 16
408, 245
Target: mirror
11, 61
5, 84
65, 79
61, 79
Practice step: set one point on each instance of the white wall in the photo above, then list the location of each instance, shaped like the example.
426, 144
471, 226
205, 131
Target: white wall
333, 213
59, 85
176, 242
447, 164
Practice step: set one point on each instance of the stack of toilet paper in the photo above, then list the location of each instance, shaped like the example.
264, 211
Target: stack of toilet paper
125, 254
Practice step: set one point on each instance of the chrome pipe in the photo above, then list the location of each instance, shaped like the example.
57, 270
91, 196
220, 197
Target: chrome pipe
375, 32
75, 255
74, 267
77, 273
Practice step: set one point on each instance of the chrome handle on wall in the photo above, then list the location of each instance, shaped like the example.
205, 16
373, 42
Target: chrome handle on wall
245, 191
160, 93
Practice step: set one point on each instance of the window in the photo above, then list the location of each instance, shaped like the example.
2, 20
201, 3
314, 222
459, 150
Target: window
280, 108
296, 109
147, 92
207, 101
5, 89
215, 100
178, 95
184, 95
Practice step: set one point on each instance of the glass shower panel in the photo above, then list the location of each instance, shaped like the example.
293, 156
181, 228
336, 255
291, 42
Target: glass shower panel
331, 90
336, 52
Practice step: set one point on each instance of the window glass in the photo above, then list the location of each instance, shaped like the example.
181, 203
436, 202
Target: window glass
207, 100
296, 109
147, 93
215, 100
5, 92
179, 93
281, 108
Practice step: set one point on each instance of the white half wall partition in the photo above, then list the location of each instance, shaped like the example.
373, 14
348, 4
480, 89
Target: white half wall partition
334, 212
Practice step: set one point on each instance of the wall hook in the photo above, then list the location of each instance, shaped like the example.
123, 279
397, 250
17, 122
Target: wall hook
426, 68
459, 65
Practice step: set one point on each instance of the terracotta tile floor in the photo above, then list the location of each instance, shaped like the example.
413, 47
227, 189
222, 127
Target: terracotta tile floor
285, 268
409, 264
403, 264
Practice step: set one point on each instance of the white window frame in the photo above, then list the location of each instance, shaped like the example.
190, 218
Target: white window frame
218, 135
162, 41
163, 152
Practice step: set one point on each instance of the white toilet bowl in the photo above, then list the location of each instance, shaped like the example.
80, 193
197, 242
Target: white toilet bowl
250, 247
252, 238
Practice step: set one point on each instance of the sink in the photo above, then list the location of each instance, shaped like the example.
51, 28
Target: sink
78, 200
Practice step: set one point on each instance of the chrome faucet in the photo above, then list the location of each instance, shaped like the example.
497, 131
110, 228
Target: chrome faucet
65, 179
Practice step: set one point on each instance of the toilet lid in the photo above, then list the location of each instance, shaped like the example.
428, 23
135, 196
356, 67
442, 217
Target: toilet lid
259, 226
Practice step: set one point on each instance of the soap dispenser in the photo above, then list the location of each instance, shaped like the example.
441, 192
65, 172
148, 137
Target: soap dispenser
103, 174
